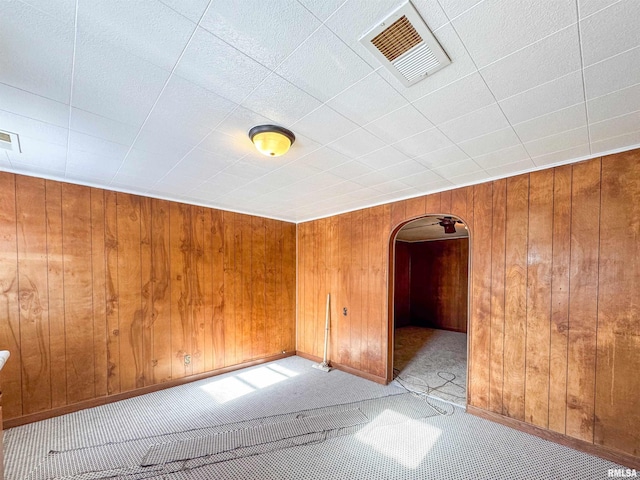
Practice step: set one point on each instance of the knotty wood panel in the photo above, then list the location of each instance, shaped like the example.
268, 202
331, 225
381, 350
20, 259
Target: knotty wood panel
556, 296
104, 292
539, 258
618, 344
583, 299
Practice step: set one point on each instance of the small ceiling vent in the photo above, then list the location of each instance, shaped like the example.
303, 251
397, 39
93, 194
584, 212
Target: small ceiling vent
403, 43
9, 141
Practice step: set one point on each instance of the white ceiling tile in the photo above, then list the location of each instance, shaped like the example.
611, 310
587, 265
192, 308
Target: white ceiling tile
352, 169
219, 67
614, 104
392, 186
80, 142
612, 74
456, 169
33, 106
468, 178
441, 157
188, 111
231, 148
475, 124
322, 9
403, 169
384, 157
423, 143
558, 121
114, 83
323, 159
63, 10
357, 17
35, 129
132, 182
558, 142
401, 123
192, 9
613, 127
323, 66
247, 170
38, 169
302, 146
277, 99
261, 30
159, 139
102, 127
496, 28
371, 179
37, 51
459, 98
543, 99
48, 156
461, 66
240, 121
610, 31
4, 160
614, 143
506, 156
511, 168
357, 143
202, 164
490, 143
581, 151
589, 7
453, 8
553, 57
367, 100
427, 180
324, 125
142, 162
149, 30
91, 166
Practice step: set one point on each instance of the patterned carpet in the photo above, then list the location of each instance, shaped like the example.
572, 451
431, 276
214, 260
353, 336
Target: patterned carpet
432, 361
284, 420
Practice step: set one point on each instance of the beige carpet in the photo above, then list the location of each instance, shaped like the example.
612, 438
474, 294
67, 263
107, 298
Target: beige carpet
432, 361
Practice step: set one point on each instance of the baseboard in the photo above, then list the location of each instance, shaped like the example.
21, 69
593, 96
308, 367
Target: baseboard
601, 451
96, 402
345, 368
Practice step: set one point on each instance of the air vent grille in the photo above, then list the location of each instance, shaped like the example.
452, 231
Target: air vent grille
403, 44
9, 141
5, 137
399, 38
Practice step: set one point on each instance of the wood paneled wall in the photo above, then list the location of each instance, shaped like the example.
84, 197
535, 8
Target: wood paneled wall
103, 293
402, 285
554, 294
439, 283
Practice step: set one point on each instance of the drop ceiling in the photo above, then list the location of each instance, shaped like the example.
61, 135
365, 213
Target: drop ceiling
156, 97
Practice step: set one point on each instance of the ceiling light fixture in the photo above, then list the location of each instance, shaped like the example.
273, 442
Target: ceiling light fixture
271, 140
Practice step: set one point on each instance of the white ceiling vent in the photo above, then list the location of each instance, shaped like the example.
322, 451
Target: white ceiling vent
403, 43
9, 141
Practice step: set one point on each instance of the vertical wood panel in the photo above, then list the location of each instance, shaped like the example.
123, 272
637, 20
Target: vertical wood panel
289, 282
480, 328
540, 255
180, 260
55, 293
98, 268
130, 292
344, 288
515, 295
273, 328
377, 315
9, 305
207, 292
432, 204
398, 214
113, 301
321, 285
334, 285
445, 202
229, 289
498, 225
78, 292
583, 295
161, 277
32, 294
259, 332
197, 279
145, 319
618, 363
415, 207
354, 316
219, 293
246, 284
559, 330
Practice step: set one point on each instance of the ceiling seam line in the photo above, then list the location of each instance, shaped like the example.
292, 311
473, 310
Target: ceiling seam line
73, 70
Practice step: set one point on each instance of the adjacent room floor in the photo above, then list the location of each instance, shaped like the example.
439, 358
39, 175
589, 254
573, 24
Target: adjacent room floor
432, 361
284, 420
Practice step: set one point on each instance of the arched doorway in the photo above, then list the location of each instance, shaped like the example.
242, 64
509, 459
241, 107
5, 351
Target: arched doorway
428, 314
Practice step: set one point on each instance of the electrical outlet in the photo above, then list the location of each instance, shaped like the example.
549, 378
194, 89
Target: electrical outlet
187, 359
